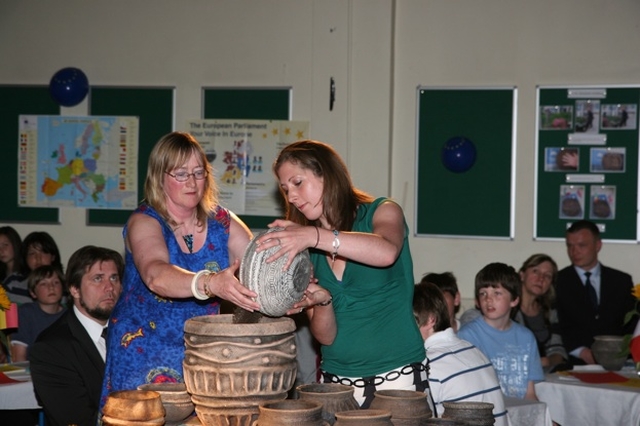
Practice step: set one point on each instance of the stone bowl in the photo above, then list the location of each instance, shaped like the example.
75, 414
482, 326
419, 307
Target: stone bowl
135, 407
607, 351
175, 400
277, 289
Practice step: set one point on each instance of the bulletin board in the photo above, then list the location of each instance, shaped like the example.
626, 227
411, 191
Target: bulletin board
14, 101
269, 103
474, 203
154, 108
587, 160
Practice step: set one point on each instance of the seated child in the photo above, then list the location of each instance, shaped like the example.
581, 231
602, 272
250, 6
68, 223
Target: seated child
447, 283
458, 371
511, 347
45, 285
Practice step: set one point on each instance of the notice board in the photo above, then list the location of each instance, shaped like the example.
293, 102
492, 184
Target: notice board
587, 160
477, 202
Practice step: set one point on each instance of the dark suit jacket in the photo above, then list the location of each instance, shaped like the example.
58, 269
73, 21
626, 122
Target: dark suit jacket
67, 372
577, 321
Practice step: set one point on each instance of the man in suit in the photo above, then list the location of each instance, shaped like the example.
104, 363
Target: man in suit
592, 299
67, 359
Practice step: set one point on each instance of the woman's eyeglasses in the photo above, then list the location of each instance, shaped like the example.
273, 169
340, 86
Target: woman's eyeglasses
184, 176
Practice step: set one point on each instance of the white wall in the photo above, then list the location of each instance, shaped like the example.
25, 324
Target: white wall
378, 51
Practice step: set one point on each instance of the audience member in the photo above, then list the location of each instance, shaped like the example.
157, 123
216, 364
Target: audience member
46, 287
446, 282
536, 310
510, 346
182, 250
39, 248
360, 253
592, 299
458, 371
67, 359
13, 268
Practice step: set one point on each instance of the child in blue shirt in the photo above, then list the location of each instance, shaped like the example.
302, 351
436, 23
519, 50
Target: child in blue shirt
511, 347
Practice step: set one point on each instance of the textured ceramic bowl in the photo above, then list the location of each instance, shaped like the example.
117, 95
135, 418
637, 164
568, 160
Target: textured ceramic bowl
135, 406
175, 400
607, 351
277, 289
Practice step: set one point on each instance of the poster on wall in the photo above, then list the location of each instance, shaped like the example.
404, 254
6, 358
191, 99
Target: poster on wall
241, 153
78, 161
587, 160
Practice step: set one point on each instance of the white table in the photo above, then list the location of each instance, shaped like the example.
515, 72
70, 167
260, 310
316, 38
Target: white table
18, 396
524, 412
575, 403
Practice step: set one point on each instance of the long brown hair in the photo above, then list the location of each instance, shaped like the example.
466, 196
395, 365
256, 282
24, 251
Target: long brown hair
339, 197
170, 152
546, 300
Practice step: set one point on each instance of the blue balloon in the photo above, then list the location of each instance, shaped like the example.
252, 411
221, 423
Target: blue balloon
458, 154
69, 86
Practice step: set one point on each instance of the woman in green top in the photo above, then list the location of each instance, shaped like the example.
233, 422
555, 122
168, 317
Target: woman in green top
360, 309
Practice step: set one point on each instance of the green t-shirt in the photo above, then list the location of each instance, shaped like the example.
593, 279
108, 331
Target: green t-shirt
377, 331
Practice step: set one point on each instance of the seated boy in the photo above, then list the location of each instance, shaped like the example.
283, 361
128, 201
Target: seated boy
447, 283
45, 284
511, 347
458, 371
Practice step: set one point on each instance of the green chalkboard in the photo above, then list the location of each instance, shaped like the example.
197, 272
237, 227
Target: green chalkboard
250, 104
605, 192
14, 101
476, 202
154, 108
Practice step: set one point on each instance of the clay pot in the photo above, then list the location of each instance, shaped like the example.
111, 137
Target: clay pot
443, 422
408, 408
367, 417
334, 397
472, 413
175, 400
239, 411
291, 412
606, 351
133, 407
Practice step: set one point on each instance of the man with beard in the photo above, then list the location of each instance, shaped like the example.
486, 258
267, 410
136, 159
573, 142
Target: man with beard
67, 359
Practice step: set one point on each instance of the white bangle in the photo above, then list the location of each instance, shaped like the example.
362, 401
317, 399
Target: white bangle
194, 285
335, 244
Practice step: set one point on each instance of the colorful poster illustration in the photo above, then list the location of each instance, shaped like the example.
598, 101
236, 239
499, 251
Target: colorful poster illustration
241, 153
87, 162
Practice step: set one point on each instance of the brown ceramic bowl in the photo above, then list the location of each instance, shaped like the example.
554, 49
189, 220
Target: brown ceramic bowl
134, 405
175, 399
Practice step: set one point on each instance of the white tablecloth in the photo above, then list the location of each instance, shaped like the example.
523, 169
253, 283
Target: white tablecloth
523, 412
18, 396
575, 403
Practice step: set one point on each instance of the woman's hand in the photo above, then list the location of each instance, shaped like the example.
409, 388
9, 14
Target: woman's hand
225, 285
292, 239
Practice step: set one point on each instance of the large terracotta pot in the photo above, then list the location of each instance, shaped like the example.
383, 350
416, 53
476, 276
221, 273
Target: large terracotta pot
408, 408
291, 412
334, 397
230, 368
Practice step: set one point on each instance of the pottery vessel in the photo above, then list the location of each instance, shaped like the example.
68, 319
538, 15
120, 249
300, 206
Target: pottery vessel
334, 397
408, 408
290, 412
367, 417
472, 413
444, 422
277, 290
134, 407
230, 368
175, 400
606, 351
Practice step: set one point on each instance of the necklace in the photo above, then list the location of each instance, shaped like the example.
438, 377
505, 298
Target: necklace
188, 240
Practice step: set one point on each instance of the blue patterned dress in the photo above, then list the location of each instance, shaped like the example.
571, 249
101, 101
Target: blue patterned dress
145, 342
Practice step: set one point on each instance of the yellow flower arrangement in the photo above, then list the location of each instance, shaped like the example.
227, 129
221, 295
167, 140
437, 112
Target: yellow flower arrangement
631, 345
5, 303
635, 291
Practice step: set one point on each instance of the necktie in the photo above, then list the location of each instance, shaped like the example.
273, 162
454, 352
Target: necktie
104, 335
591, 292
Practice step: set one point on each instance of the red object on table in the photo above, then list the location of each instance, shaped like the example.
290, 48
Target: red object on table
608, 377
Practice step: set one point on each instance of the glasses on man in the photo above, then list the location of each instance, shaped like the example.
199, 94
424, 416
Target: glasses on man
183, 176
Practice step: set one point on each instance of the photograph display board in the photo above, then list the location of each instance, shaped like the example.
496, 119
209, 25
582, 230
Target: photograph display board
465, 162
587, 160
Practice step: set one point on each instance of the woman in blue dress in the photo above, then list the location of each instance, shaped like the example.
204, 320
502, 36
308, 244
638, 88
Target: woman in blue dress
182, 251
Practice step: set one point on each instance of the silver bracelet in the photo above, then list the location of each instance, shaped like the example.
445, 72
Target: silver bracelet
194, 285
335, 244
